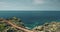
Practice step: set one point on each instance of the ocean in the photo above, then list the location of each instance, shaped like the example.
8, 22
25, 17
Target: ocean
33, 18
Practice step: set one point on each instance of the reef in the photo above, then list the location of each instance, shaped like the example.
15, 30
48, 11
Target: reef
15, 24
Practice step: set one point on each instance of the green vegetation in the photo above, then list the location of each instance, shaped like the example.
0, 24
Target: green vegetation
4, 27
47, 27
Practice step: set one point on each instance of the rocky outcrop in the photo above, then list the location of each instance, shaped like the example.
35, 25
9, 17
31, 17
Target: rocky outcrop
16, 25
4, 27
48, 27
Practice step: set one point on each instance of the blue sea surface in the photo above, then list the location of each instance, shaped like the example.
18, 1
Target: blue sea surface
33, 18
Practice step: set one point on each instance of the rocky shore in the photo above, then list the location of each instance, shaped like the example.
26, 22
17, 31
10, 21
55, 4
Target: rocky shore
53, 26
48, 27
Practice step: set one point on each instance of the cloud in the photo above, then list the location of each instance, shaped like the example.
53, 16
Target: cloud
38, 1
3, 5
29, 4
7, 5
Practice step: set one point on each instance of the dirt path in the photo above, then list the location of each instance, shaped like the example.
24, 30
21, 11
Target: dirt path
14, 25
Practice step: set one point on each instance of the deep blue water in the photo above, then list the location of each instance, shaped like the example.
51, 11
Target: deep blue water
33, 18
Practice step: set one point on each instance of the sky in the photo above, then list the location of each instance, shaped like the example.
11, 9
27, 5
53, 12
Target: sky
29, 4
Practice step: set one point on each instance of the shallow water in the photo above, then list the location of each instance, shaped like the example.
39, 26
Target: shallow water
33, 18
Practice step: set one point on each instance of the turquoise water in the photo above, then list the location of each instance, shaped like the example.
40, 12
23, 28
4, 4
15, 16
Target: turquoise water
33, 18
